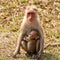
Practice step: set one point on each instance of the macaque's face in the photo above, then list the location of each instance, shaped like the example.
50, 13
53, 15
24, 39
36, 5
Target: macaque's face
30, 16
31, 13
33, 35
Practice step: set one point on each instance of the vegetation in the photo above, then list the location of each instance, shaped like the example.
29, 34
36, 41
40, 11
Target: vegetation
11, 14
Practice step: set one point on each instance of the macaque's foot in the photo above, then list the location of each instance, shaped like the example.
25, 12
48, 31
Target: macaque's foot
28, 54
14, 54
34, 56
18, 52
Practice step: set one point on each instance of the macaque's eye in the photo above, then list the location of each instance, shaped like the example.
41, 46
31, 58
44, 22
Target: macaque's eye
28, 13
31, 13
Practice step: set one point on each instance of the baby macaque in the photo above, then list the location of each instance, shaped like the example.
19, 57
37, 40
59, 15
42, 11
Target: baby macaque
33, 35
31, 42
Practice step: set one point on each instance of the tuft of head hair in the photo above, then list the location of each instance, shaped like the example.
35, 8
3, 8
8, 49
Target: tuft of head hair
31, 8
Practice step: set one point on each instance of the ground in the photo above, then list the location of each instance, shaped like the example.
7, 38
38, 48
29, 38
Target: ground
11, 15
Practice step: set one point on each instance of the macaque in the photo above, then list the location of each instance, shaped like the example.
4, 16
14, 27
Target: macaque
32, 35
32, 42
30, 21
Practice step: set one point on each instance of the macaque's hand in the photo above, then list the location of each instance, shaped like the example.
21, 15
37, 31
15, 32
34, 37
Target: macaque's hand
15, 53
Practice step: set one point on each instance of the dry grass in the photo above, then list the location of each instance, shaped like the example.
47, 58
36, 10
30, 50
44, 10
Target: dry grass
11, 13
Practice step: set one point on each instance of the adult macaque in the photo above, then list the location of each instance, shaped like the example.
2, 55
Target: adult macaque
30, 21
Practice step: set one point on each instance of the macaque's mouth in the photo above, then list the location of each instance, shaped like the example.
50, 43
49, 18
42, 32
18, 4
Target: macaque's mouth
30, 20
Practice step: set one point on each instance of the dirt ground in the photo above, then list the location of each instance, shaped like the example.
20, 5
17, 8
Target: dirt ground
8, 44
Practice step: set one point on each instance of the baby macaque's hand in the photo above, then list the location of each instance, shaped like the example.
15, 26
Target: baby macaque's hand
26, 38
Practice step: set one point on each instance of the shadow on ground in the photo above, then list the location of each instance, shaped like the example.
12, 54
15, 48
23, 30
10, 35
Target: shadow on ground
47, 56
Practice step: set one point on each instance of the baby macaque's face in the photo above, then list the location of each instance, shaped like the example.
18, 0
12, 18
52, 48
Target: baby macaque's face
33, 35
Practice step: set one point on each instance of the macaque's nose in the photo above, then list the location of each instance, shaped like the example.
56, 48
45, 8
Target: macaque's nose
30, 16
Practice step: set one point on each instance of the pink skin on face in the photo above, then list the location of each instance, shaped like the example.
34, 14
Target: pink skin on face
30, 16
